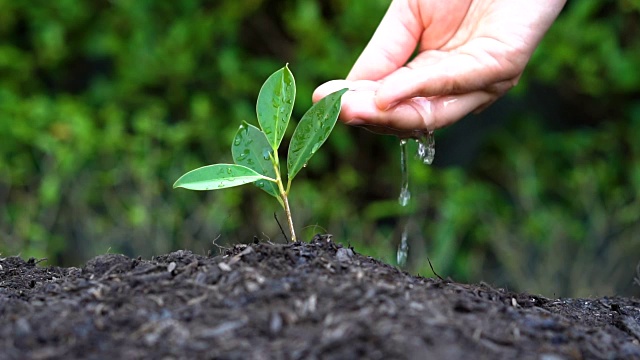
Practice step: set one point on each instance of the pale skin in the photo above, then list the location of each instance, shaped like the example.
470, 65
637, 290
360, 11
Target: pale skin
470, 52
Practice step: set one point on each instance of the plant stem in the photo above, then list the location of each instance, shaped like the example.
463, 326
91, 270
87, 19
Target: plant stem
283, 194
287, 211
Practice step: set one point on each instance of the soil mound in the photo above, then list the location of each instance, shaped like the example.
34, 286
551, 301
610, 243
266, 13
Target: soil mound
315, 300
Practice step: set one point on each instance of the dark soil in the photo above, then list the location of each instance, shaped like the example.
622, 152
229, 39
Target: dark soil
314, 300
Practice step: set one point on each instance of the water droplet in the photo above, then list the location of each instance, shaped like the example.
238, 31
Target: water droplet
403, 249
229, 171
237, 141
426, 147
305, 165
265, 153
405, 195
315, 148
221, 185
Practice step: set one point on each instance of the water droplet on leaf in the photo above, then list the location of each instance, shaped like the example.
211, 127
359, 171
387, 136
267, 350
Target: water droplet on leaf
315, 148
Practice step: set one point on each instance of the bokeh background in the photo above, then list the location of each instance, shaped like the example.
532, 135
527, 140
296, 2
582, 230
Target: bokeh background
104, 104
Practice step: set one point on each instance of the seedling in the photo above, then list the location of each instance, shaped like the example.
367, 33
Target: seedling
255, 150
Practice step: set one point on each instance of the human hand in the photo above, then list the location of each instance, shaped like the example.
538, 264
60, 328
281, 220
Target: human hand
470, 52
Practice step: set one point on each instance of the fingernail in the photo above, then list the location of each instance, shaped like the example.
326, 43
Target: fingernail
355, 122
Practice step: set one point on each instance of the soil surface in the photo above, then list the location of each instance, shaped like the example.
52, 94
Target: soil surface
315, 300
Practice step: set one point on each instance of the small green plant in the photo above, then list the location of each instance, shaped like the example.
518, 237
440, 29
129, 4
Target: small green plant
255, 150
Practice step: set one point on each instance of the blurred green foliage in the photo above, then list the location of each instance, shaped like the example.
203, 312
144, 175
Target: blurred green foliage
104, 104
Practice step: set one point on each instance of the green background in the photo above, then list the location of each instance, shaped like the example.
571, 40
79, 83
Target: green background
104, 104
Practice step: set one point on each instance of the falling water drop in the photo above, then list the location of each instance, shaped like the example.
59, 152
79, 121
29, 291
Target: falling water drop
426, 147
403, 249
405, 195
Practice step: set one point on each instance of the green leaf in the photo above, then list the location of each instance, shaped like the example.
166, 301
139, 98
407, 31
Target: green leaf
312, 131
251, 149
218, 176
275, 104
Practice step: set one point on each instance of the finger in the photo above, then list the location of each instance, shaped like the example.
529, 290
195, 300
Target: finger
335, 85
498, 90
435, 74
417, 114
391, 45
447, 110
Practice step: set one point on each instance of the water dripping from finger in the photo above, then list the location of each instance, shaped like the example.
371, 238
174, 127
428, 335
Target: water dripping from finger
425, 153
405, 194
426, 147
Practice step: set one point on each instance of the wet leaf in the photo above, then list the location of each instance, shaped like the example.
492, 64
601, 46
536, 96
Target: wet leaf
218, 176
252, 149
312, 131
275, 103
